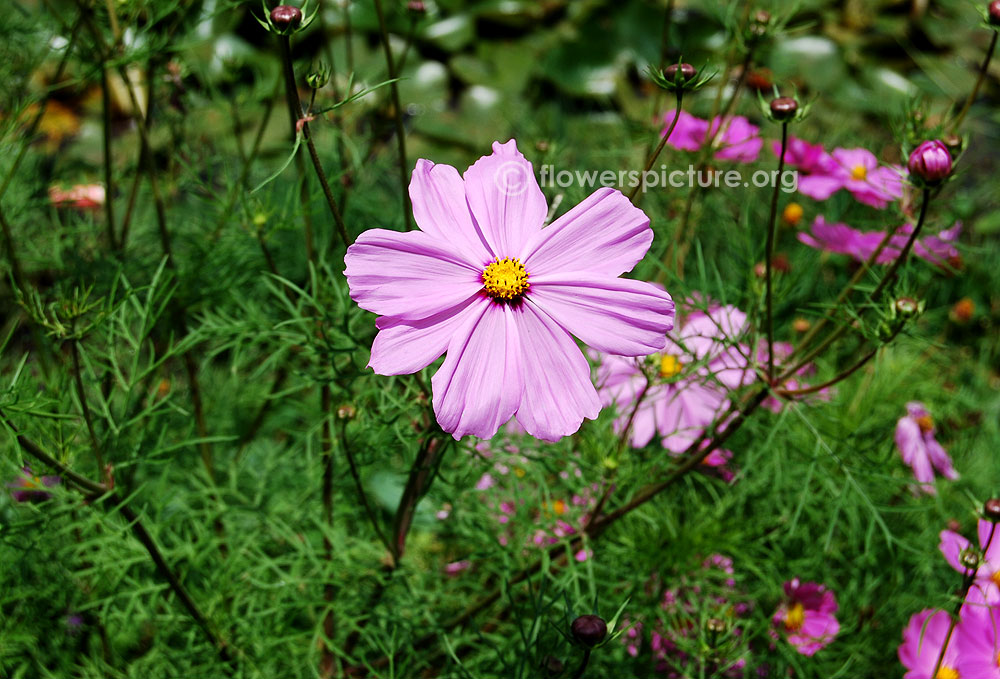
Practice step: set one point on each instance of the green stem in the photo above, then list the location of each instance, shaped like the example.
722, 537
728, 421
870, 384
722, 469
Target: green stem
109, 175
82, 395
979, 83
652, 158
397, 117
769, 255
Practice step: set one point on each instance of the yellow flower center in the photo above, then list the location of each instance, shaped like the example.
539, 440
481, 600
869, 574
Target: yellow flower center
670, 366
946, 673
559, 507
925, 422
795, 617
996, 579
792, 214
505, 279
859, 172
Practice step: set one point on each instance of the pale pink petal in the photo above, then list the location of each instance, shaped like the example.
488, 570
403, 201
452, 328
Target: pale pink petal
940, 459
985, 529
558, 393
922, 641
613, 315
478, 387
604, 234
506, 203
951, 547
403, 347
819, 187
437, 193
408, 275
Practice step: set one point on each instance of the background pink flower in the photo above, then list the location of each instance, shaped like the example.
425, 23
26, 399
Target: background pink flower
860, 245
739, 140
988, 574
483, 282
858, 171
919, 449
807, 616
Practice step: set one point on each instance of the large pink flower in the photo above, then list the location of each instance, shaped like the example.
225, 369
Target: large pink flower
807, 616
922, 642
483, 281
988, 573
919, 449
978, 640
690, 380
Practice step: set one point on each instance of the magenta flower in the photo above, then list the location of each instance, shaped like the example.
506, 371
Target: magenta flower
978, 642
485, 283
807, 616
31, 488
858, 171
860, 245
738, 140
930, 161
988, 573
805, 157
919, 449
690, 384
922, 642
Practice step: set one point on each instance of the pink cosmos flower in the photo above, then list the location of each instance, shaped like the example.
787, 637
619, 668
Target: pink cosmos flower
691, 380
858, 171
484, 282
860, 245
805, 157
919, 449
988, 573
31, 488
738, 140
807, 616
922, 642
978, 642
80, 196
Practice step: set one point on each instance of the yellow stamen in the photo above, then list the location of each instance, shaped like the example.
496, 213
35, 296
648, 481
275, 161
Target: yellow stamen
670, 366
859, 172
946, 673
996, 579
519, 473
795, 617
505, 279
925, 422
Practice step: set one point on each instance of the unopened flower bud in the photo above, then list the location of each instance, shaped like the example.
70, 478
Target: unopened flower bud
416, 7
801, 325
954, 143
930, 162
993, 13
553, 665
907, 306
991, 508
687, 72
784, 108
318, 79
963, 310
715, 625
286, 17
589, 630
346, 412
792, 214
969, 558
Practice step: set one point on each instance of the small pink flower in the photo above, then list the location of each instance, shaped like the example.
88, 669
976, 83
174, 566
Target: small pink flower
738, 140
919, 449
922, 642
31, 488
845, 240
805, 157
807, 616
484, 282
456, 567
858, 171
80, 196
988, 573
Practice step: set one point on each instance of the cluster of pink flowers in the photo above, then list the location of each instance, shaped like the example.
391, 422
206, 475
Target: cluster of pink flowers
843, 239
973, 646
920, 449
738, 140
707, 606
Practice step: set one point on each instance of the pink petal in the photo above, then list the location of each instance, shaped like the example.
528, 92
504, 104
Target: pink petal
403, 347
558, 393
505, 200
613, 315
604, 234
479, 386
951, 547
408, 275
819, 187
437, 193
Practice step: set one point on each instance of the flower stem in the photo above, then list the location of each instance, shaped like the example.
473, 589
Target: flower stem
82, 395
769, 255
109, 175
328, 659
633, 196
397, 116
583, 665
979, 83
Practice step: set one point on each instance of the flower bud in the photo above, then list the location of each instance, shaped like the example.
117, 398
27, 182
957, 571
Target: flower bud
993, 13
589, 630
991, 508
687, 72
715, 625
963, 310
346, 412
784, 108
416, 7
286, 18
318, 79
969, 558
792, 214
954, 143
801, 325
930, 162
553, 665
907, 306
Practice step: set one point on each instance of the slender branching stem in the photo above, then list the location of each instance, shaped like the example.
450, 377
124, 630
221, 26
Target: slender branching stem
362, 495
109, 175
634, 196
957, 122
397, 116
84, 406
583, 664
769, 255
